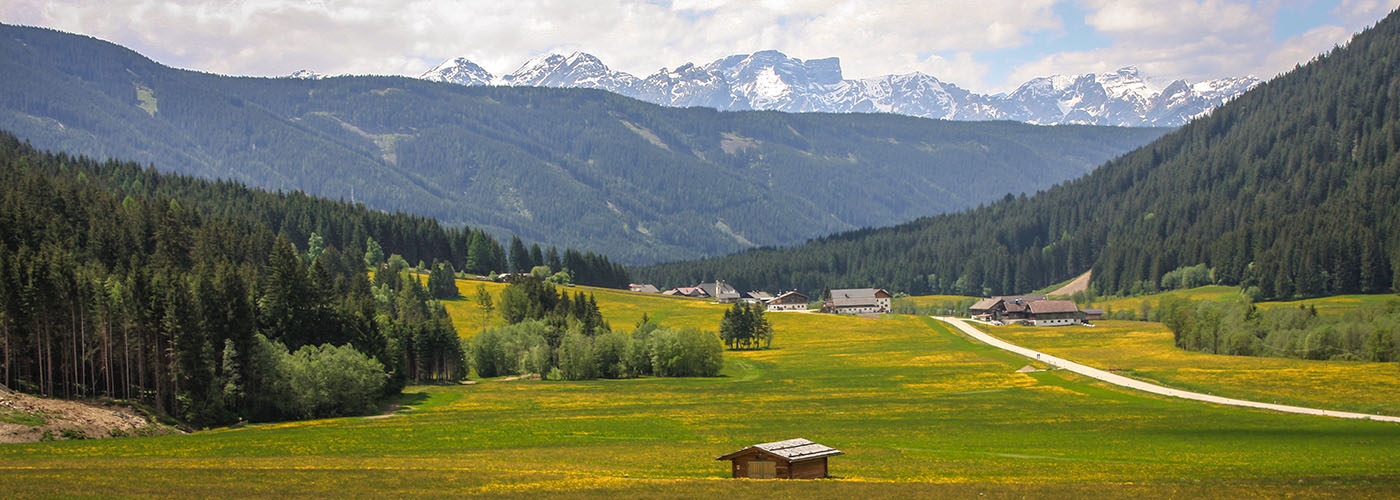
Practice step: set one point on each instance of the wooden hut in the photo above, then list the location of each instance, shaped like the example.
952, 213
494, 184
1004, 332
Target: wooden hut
790, 459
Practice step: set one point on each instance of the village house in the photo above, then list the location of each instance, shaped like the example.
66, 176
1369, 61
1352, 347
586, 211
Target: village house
790, 459
1004, 308
788, 301
1035, 310
643, 287
857, 301
720, 291
1054, 313
757, 297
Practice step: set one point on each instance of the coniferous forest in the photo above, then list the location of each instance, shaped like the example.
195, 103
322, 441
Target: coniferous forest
213, 302
566, 167
1290, 190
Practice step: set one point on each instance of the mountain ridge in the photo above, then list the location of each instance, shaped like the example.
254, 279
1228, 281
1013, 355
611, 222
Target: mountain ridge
771, 80
574, 168
1287, 191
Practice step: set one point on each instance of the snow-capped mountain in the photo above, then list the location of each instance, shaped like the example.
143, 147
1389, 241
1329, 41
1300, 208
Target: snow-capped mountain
459, 71
771, 80
306, 74
578, 70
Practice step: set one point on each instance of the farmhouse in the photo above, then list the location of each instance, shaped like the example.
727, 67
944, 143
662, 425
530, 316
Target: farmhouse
857, 301
788, 301
643, 287
722, 292
758, 297
791, 459
1054, 313
1004, 308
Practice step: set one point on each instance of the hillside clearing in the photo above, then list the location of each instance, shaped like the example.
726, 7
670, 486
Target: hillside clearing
28, 419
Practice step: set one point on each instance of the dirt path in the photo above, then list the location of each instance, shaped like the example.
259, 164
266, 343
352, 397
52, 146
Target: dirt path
1076, 285
1144, 386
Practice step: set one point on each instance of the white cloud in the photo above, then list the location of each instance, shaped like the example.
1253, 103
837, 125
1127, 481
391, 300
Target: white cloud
1199, 40
275, 37
1363, 12
1177, 38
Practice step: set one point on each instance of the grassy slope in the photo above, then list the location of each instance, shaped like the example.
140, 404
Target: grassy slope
919, 411
935, 300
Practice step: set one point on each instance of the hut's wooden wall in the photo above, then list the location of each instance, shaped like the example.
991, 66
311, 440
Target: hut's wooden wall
807, 469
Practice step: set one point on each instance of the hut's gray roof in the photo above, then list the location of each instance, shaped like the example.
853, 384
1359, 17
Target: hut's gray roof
792, 449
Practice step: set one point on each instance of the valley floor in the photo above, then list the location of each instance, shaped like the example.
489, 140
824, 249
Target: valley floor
918, 409
1130, 383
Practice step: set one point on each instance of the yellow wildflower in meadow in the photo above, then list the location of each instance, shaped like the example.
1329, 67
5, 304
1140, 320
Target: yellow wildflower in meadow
1146, 350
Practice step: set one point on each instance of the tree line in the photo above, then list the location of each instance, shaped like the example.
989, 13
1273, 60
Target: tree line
1370, 333
212, 302
1289, 188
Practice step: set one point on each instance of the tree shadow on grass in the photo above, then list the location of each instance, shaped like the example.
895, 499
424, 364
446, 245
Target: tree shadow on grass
401, 401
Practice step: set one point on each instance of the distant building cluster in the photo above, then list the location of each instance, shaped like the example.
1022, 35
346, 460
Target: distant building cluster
1034, 310
840, 301
724, 293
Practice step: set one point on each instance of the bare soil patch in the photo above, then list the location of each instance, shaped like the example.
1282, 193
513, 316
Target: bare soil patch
27, 419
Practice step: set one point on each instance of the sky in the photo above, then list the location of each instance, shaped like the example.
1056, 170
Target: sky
982, 45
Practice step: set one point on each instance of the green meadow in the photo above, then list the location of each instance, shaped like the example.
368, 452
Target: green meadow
1339, 304
919, 410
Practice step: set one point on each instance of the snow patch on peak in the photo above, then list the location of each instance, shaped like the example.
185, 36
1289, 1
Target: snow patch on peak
768, 85
460, 71
306, 74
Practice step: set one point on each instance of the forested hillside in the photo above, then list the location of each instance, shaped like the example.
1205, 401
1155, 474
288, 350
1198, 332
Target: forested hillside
578, 168
1293, 189
214, 302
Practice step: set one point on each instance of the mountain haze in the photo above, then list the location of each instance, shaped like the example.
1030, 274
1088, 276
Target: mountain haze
1289, 190
770, 80
567, 167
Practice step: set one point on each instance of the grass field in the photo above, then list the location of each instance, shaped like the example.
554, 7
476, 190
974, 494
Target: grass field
1339, 304
1144, 350
919, 411
935, 300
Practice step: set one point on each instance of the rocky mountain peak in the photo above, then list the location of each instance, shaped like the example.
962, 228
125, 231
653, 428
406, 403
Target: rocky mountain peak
770, 79
460, 71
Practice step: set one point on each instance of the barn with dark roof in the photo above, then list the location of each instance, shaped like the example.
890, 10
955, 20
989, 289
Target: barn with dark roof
790, 459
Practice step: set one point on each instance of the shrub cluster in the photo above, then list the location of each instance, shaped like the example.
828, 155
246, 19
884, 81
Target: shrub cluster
316, 381
534, 346
1369, 334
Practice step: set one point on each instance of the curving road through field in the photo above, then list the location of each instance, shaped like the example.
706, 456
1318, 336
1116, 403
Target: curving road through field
1144, 386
